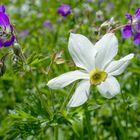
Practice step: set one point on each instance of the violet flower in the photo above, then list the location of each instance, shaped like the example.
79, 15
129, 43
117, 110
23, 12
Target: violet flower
64, 10
6, 29
133, 28
23, 34
109, 6
48, 24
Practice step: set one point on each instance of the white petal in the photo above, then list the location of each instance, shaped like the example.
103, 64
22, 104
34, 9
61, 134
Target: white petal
107, 48
109, 88
67, 78
82, 51
117, 67
81, 94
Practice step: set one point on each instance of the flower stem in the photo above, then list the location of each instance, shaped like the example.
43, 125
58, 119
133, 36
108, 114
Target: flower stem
117, 28
56, 132
67, 98
88, 123
126, 117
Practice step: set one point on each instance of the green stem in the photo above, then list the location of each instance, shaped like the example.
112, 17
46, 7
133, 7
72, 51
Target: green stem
126, 118
88, 123
67, 98
117, 28
56, 132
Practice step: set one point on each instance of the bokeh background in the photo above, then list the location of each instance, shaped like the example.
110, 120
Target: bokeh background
29, 110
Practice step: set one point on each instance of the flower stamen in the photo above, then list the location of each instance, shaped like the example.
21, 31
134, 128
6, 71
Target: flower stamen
97, 76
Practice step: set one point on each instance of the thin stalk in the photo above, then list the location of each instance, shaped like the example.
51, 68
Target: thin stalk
52, 97
56, 133
67, 98
117, 28
126, 128
121, 26
88, 123
51, 63
112, 31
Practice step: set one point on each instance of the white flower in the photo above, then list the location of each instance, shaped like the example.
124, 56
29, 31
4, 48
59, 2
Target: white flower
99, 68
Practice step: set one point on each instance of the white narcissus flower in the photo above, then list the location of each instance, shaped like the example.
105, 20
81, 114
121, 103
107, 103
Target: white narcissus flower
99, 67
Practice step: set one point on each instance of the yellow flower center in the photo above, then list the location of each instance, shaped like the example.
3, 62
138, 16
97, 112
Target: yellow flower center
97, 76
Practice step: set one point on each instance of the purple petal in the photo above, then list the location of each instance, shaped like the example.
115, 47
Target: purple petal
64, 10
10, 41
4, 20
6, 43
2, 8
127, 31
128, 16
137, 13
137, 39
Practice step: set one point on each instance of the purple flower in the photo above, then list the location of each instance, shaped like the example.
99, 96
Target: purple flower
6, 29
132, 29
23, 34
110, 6
48, 24
64, 10
127, 31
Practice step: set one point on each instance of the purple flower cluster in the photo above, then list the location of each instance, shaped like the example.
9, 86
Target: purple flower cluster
64, 10
6, 29
133, 28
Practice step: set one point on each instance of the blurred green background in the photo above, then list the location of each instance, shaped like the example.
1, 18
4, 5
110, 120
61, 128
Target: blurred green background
31, 111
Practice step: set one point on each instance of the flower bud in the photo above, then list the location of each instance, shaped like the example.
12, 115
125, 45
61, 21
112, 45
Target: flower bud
17, 49
2, 68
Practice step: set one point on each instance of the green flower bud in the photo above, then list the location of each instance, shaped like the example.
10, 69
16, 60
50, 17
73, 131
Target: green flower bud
17, 49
